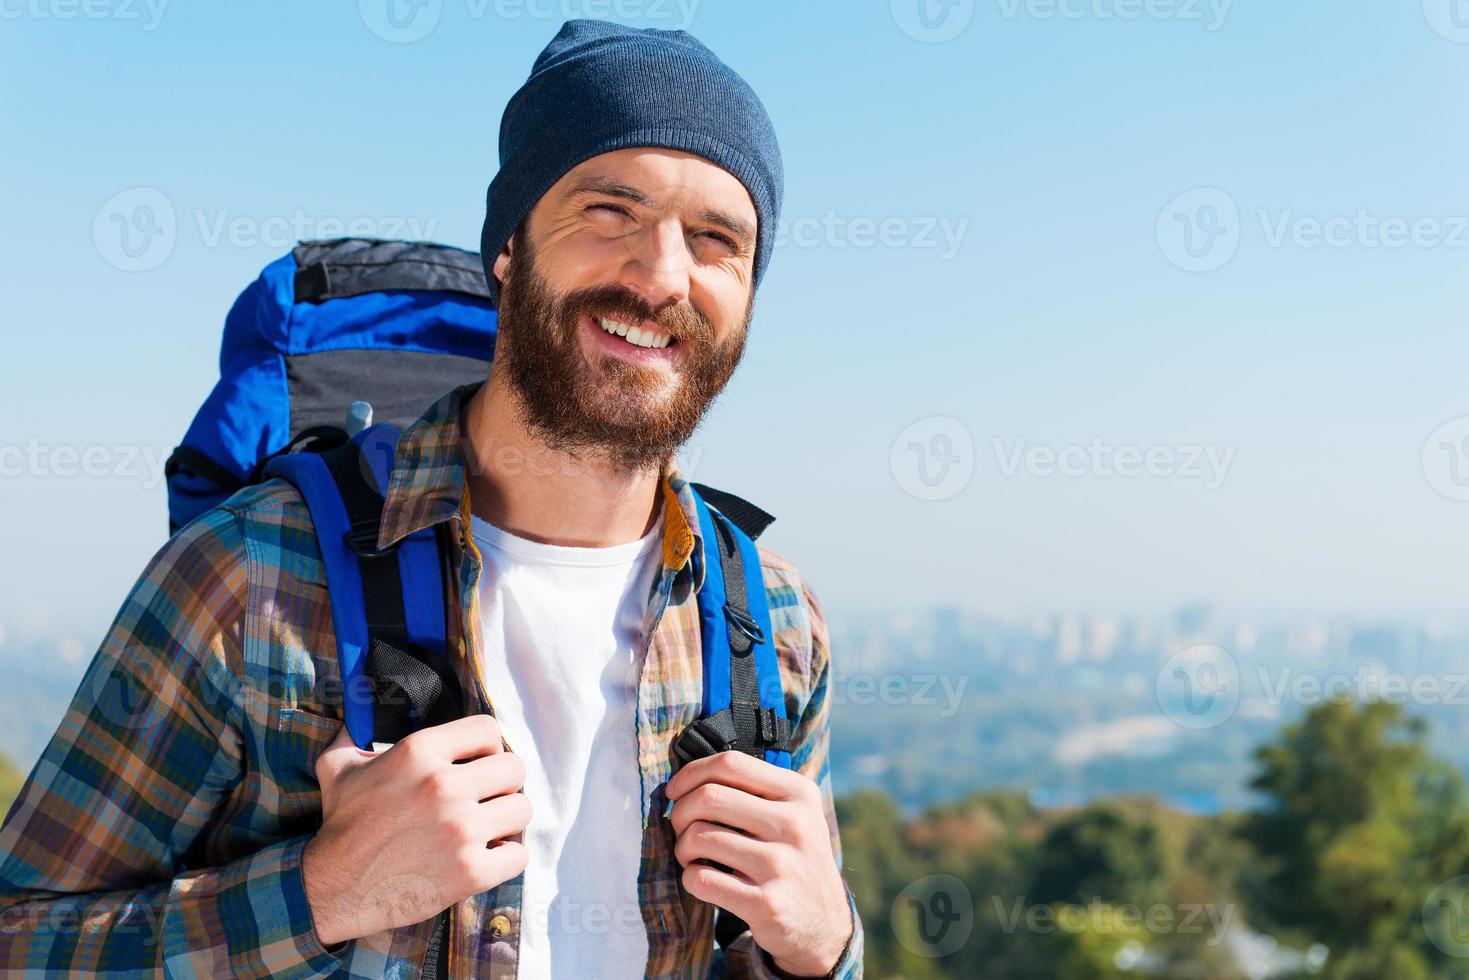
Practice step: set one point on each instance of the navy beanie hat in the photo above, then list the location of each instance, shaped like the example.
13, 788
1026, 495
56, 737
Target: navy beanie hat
600, 86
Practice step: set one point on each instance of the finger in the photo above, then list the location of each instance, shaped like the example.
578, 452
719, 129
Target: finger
500, 862
492, 775
755, 776
503, 816
706, 841
463, 738
717, 803
730, 891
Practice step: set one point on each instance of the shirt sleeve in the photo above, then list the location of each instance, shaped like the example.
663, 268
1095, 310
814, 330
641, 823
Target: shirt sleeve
99, 869
810, 755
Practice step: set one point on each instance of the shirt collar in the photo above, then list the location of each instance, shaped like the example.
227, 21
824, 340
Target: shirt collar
428, 487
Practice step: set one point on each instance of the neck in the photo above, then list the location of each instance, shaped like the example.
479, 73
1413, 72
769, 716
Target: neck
519, 484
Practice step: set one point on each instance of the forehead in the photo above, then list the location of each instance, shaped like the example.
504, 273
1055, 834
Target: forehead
668, 178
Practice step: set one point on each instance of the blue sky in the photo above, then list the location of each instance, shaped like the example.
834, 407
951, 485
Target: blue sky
986, 264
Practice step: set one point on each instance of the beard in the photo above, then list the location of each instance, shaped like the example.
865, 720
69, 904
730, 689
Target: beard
603, 407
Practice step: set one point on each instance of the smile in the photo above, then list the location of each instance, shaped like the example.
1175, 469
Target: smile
637, 336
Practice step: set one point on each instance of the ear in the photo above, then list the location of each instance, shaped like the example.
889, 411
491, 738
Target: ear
502, 261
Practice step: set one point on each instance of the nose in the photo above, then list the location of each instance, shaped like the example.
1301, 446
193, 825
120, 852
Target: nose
657, 268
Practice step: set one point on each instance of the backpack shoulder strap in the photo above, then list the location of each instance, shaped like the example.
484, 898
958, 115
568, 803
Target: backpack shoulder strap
388, 607
745, 515
744, 705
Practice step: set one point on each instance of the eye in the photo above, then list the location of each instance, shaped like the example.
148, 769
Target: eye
613, 208
723, 239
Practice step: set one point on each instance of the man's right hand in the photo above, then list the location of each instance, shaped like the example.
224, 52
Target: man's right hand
407, 832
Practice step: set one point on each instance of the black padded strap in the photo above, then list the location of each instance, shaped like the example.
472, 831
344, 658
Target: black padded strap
745, 515
744, 685
412, 688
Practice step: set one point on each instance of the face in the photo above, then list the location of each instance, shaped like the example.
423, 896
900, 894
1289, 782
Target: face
625, 302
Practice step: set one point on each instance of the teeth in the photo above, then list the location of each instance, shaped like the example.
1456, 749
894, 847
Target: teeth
641, 337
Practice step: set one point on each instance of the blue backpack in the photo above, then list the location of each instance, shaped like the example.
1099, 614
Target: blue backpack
339, 331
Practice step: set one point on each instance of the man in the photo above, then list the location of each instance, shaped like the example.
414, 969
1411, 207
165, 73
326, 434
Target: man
229, 826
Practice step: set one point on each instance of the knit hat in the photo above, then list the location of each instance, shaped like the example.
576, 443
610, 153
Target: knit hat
598, 87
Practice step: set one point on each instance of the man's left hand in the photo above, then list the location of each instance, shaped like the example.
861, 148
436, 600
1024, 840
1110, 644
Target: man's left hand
767, 825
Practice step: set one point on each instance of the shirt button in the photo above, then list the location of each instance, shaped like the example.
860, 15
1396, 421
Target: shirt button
499, 926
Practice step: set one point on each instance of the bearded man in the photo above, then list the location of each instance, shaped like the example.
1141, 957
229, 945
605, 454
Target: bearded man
627, 230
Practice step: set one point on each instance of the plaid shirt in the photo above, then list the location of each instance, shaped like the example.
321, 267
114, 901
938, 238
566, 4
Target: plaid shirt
161, 830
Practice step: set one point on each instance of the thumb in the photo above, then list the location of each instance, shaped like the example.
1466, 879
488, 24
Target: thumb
340, 755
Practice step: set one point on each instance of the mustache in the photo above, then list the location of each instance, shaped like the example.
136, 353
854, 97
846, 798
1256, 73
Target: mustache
614, 302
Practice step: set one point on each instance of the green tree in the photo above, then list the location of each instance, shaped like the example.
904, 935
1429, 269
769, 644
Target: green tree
10, 783
1360, 825
1107, 852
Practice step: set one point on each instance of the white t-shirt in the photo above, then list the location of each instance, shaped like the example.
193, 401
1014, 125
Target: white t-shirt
563, 631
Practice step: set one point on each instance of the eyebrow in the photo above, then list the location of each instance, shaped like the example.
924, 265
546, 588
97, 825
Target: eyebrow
598, 184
